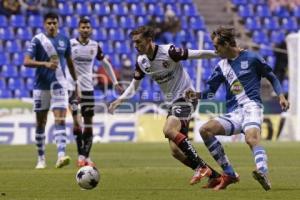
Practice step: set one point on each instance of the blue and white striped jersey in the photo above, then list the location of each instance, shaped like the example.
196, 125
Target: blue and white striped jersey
241, 77
44, 48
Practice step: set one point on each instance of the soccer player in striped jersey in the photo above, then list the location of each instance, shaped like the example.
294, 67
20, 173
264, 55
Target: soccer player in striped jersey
84, 52
241, 72
48, 53
162, 64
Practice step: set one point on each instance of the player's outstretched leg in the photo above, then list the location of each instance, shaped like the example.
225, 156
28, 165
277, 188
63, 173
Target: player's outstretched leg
260, 174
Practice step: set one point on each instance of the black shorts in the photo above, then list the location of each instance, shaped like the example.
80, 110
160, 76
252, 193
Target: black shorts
183, 110
87, 103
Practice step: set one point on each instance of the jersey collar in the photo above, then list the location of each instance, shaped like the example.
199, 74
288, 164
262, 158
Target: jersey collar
155, 52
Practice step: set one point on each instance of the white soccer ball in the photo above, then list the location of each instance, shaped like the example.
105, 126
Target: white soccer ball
88, 177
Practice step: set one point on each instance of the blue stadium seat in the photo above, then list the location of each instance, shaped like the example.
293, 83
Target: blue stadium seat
99, 34
18, 93
7, 33
245, 10
13, 46
155, 9
150, 1
83, 9
3, 21
197, 23
175, 7
289, 24
15, 83
71, 21
271, 23
94, 21
296, 11
9, 71
141, 21
116, 34
138, 9
266, 50
29, 84
119, 10
107, 47
35, 21
65, 8
121, 48
257, 2
263, 11
102, 9
277, 36
24, 33
239, 2
253, 23
5, 94
260, 37
17, 21
109, 22
4, 59
189, 10
2, 84
27, 72
271, 61
127, 22
17, 59
74, 33
281, 12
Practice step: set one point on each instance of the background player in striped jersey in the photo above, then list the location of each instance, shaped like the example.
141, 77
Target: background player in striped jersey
47, 53
162, 64
84, 53
241, 71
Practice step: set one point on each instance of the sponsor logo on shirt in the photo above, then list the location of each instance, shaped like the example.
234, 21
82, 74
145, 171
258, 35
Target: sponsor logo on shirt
236, 87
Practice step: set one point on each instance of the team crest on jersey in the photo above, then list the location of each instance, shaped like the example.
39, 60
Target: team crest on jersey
236, 87
165, 64
244, 64
61, 43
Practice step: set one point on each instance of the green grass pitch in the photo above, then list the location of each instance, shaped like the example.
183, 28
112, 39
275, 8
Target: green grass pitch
132, 171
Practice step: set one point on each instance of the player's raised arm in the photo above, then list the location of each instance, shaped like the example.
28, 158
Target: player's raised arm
178, 54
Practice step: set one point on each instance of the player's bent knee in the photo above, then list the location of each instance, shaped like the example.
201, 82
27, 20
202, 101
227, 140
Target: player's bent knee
206, 131
251, 141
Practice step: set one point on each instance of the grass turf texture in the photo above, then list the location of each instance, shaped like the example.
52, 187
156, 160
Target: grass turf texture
143, 172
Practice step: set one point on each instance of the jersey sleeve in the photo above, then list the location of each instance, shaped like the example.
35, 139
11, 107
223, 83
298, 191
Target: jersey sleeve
31, 49
68, 49
262, 67
177, 54
100, 54
138, 73
213, 83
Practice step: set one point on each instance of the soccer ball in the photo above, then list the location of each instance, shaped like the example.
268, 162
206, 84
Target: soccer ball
88, 177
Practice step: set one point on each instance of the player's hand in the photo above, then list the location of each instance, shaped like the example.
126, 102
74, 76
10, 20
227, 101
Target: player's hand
113, 105
191, 95
285, 105
119, 88
51, 65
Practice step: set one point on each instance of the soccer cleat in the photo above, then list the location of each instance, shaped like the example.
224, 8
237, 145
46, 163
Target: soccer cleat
200, 172
262, 179
41, 164
81, 163
227, 180
62, 161
212, 182
89, 162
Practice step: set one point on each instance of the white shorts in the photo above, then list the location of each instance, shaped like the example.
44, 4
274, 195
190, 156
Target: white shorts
50, 99
241, 119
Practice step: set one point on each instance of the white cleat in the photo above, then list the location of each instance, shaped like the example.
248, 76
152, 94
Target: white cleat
62, 161
41, 164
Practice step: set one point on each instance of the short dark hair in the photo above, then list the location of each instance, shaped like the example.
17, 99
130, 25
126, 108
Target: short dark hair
146, 31
50, 16
224, 34
84, 20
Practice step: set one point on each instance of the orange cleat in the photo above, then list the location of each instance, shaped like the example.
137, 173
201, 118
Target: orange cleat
227, 180
89, 162
200, 172
81, 163
212, 182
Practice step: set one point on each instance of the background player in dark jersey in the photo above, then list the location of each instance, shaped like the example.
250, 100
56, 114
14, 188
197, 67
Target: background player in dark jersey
84, 53
162, 64
241, 71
